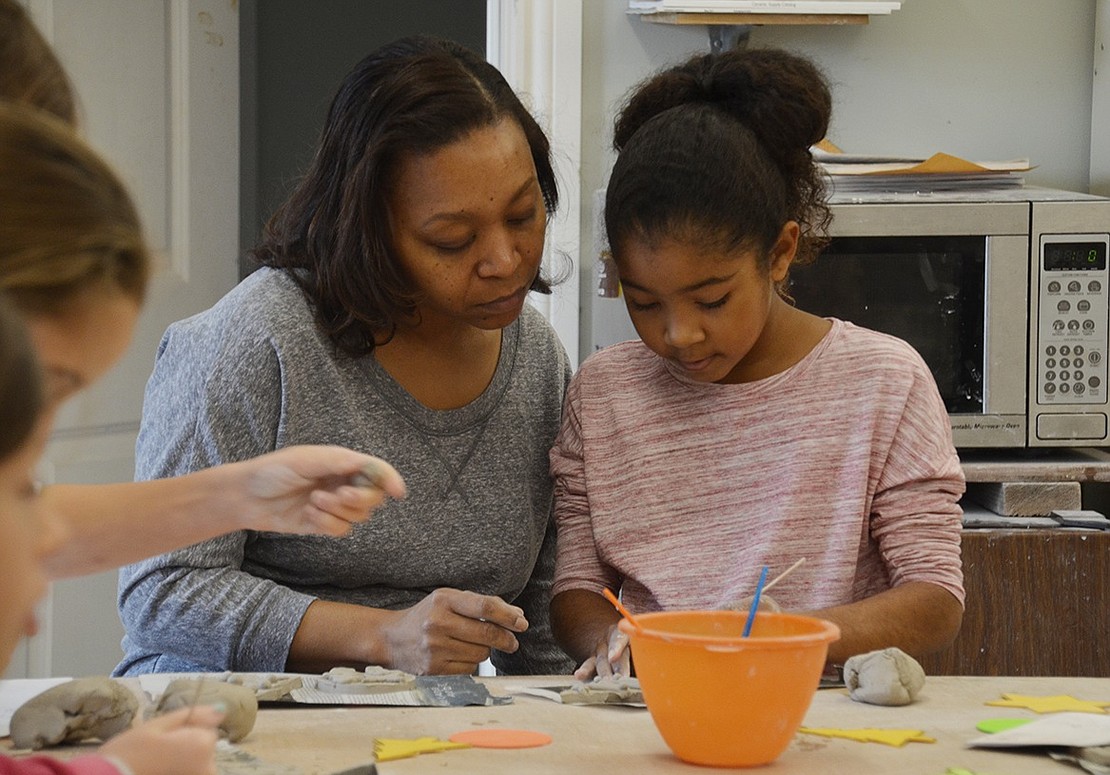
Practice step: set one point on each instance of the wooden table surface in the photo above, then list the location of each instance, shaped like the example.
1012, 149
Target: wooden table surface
618, 740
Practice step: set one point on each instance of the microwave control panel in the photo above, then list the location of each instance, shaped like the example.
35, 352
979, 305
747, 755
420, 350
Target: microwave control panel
1072, 326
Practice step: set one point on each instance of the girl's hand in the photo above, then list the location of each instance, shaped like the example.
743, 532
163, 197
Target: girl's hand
315, 489
178, 743
612, 658
451, 631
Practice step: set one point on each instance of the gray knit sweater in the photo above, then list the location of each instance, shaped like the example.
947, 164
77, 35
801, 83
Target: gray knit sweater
253, 374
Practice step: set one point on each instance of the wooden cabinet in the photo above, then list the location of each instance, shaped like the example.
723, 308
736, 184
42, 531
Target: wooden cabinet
1038, 604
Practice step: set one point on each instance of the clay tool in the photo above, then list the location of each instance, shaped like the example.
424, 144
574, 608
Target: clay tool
782, 575
360, 769
623, 611
755, 602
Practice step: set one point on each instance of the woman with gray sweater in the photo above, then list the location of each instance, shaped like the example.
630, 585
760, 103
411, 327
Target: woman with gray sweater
389, 316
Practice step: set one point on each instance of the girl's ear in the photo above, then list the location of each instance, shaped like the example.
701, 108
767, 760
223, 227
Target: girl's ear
784, 250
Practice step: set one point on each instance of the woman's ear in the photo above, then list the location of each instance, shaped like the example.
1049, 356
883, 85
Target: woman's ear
784, 250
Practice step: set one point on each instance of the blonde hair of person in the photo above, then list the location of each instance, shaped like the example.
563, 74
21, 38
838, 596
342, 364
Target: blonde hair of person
21, 396
68, 224
30, 73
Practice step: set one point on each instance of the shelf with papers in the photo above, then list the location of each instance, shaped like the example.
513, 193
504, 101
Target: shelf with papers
729, 22
746, 18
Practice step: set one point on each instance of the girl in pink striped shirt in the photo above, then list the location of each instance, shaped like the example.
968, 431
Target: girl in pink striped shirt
741, 431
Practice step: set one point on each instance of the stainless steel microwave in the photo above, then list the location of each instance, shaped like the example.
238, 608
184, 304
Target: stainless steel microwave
1003, 292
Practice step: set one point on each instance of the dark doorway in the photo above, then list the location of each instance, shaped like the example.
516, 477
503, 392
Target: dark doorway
293, 54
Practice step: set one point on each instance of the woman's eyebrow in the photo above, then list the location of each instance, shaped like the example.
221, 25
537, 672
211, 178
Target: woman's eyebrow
461, 214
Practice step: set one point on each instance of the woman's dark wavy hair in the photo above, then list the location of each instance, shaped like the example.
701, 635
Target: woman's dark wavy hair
716, 151
332, 234
21, 396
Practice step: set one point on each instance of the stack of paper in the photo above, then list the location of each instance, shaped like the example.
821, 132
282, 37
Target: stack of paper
940, 172
763, 6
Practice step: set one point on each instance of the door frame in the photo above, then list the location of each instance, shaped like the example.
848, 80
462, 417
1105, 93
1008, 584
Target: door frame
537, 45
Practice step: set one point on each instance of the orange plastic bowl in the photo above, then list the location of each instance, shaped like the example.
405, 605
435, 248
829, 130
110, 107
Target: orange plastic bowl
723, 700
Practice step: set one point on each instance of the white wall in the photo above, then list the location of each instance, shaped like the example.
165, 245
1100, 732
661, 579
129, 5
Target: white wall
1100, 104
981, 79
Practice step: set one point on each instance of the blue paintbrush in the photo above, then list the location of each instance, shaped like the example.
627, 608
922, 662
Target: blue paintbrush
755, 602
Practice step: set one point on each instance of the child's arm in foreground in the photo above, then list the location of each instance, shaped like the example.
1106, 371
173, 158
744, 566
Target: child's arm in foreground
917, 617
303, 489
179, 743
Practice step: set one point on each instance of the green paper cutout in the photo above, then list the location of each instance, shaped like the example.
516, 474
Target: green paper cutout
992, 725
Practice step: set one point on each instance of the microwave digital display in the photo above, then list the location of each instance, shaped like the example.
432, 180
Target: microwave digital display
928, 291
1074, 256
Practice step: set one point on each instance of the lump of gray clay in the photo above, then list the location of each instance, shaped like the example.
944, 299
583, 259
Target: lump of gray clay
82, 709
886, 677
239, 703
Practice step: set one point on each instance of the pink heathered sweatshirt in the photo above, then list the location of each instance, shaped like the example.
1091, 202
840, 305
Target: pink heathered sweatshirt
678, 492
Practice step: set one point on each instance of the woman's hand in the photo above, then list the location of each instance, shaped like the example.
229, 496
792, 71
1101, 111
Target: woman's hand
611, 658
450, 631
315, 489
178, 743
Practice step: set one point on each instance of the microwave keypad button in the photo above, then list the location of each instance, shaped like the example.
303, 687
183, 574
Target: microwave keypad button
1064, 350
1074, 286
1050, 363
1063, 305
1050, 375
1094, 286
1078, 362
1079, 388
1050, 350
1095, 357
1083, 305
1065, 388
1073, 325
1094, 382
1064, 363
1050, 388
1057, 325
1078, 349
1054, 287
1088, 325
1065, 376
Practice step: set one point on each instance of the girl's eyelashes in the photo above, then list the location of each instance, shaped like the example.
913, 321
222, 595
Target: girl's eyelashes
707, 305
641, 307
714, 304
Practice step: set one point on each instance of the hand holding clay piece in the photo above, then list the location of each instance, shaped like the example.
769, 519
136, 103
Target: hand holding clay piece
239, 703
615, 690
885, 677
82, 709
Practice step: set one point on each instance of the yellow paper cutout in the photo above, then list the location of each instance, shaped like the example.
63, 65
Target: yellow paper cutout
387, 749
1050, 704
894, 737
